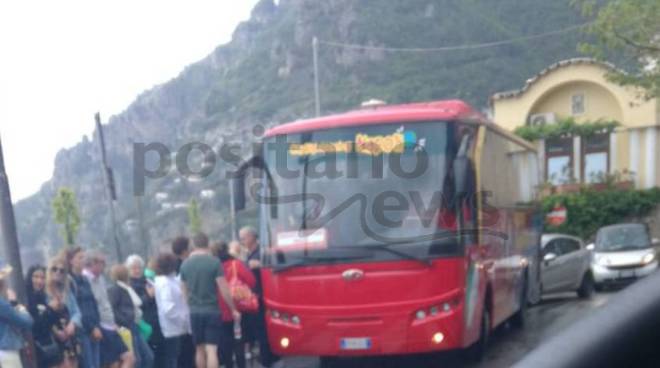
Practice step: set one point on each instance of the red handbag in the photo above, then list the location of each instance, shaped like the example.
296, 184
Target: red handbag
244, 298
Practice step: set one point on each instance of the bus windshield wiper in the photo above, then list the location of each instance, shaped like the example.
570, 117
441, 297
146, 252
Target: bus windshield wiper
309, 260
399, 253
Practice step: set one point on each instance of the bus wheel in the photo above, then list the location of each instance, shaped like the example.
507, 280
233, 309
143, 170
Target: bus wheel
518, 319
477, 352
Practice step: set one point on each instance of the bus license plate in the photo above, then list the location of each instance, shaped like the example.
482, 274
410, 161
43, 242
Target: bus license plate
627, 274
355, 343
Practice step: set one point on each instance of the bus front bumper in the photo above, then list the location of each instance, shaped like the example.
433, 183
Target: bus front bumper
365, 334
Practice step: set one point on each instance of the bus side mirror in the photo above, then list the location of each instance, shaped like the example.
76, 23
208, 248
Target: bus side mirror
590, 246
238, 184
461, 165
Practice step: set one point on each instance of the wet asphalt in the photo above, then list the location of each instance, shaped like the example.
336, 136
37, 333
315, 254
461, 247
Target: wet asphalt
507, 345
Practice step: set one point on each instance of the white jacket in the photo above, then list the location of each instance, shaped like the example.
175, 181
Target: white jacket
173, 312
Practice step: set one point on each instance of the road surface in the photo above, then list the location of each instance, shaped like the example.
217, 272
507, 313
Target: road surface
554, 314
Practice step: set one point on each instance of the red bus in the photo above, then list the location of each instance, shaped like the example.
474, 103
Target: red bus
394, 230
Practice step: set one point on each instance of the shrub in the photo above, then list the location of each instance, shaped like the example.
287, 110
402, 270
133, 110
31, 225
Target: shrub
589, 209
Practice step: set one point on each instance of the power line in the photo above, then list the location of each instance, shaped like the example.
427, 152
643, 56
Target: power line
456, 47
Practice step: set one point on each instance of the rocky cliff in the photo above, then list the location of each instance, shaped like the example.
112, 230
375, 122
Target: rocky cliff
264, 76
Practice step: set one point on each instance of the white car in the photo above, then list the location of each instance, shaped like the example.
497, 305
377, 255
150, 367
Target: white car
622, 254
565, 265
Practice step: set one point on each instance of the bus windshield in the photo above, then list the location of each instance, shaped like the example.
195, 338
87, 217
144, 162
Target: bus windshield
344, 193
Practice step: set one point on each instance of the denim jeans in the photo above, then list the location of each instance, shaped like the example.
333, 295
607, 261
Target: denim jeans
90, 357
144, 357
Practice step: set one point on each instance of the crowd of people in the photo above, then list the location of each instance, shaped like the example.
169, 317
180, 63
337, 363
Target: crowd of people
195, 305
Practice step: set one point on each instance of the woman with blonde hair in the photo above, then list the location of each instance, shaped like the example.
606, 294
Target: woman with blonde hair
59, 314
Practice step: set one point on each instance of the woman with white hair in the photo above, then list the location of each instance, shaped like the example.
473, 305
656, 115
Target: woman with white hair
145, 290
15, 320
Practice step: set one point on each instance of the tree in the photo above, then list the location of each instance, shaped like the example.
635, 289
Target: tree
194, 218
630, 28
65, 211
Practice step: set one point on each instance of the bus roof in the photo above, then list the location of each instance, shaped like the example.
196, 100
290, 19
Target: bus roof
435, 110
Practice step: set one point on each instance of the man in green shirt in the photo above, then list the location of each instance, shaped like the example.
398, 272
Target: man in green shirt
202, 277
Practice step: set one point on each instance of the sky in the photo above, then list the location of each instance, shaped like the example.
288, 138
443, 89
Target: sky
61, 61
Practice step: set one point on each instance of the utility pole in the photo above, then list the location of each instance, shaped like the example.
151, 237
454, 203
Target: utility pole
9, 236
109, 181
232, 209
317, 97
144, 236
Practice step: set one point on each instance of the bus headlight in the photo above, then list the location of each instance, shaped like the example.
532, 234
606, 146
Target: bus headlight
435, 310
284, 342
283, 317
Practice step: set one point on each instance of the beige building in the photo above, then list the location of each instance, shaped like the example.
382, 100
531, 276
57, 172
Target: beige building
578, 88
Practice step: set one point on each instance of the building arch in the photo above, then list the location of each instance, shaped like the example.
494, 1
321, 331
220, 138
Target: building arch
557, 98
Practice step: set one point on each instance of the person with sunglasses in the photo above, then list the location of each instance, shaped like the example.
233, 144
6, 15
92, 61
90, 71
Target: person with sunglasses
60, 311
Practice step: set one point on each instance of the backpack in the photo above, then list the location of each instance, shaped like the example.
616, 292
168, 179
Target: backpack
244, 298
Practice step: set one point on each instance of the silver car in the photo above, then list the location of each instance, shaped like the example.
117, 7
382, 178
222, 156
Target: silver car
565, 265
623, 253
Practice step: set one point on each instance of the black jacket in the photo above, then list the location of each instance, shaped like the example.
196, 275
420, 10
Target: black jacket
256, 255
122, 306
37, 306
149, 308
86, 302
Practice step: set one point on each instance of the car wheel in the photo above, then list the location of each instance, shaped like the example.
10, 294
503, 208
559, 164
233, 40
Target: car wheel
587, 286
477, 352
518, 319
